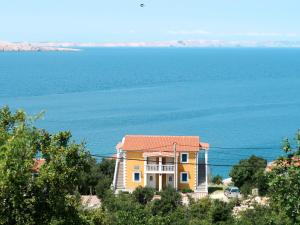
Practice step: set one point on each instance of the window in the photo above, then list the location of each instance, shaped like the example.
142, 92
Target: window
184, 177
184, 158
151, 178
136, 176
170, 178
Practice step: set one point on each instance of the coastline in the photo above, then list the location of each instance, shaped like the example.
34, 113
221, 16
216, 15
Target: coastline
28, 47
75, 46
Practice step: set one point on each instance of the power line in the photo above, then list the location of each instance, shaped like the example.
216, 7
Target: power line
198, 146
196, 164
246, 148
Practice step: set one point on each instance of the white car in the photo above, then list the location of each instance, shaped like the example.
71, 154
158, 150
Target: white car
232, 192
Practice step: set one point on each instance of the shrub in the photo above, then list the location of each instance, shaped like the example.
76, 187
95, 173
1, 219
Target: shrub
143, 194
170, 200
213, 189
102, 186
200, 209
247, 174
217, 179
187, 190
220, 211
261, 215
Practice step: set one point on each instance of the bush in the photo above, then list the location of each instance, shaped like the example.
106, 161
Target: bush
261, 215
170, 200
246, 188
213, 189
143, 194
217, 179
200, 209
96, 217
102, 186
220, 211
248, 173
187, 190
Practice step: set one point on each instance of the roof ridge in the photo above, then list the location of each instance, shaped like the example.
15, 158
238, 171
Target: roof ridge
145, 135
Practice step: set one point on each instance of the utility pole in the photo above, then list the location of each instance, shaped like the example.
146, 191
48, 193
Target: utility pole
175, 167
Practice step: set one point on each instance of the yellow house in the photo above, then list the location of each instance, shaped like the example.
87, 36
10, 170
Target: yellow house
161, 161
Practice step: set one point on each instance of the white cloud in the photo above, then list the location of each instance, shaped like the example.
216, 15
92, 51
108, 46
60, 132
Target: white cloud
189, 32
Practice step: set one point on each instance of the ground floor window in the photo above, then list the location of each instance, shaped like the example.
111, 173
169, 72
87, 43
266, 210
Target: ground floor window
137, 176
184, 177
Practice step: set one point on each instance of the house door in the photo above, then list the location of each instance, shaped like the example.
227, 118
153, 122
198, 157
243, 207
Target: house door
151, 180
170, 180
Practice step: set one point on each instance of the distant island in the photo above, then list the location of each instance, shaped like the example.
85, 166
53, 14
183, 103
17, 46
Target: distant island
73, 46
187, 43
30, 47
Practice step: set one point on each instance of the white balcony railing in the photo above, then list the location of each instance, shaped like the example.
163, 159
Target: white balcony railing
167, 168
157, 168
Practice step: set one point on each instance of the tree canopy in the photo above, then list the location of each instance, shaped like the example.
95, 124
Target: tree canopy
46, 197
249, 173
48, 194
284, 179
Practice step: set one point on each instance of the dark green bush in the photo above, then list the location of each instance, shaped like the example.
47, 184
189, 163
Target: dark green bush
187, 190
143, 194
217, 179
248, 174
170, 200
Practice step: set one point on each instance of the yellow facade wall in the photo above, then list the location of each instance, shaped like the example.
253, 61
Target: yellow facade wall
133, 165
189, 167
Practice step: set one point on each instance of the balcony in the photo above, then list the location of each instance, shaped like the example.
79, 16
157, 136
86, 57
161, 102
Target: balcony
156, 168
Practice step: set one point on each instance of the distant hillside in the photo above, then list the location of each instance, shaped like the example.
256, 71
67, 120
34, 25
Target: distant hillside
71, 46
182, 43
24, 46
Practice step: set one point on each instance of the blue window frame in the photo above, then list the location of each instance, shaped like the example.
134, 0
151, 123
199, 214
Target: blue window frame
137, 176
184, 158
184, 177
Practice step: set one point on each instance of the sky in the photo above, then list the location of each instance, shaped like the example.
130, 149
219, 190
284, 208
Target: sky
158, 20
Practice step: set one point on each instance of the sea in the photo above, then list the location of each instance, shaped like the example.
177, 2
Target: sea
242, 101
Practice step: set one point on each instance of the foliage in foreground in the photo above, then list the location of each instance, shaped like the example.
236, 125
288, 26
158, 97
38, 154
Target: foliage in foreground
284, 180
98, 178
49, 197
217, 180
249, 174
46, 198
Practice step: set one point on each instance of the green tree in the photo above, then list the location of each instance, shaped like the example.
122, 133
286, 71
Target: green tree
143, 195
170, 200
98, 178
220, 212
106, 173
124, 209
284, 180
263, 215
46, 198
200, 209
247, 174
217, 179
96, 217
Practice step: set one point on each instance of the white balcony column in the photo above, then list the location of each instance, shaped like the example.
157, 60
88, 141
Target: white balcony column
176, 173
160, 174
145, 169
206, 172
197, 168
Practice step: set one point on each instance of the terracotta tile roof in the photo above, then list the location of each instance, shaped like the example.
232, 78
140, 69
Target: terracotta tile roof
148, 143
295, 161
37, 165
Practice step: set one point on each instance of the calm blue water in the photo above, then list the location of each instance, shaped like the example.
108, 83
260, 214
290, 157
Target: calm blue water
229, 97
